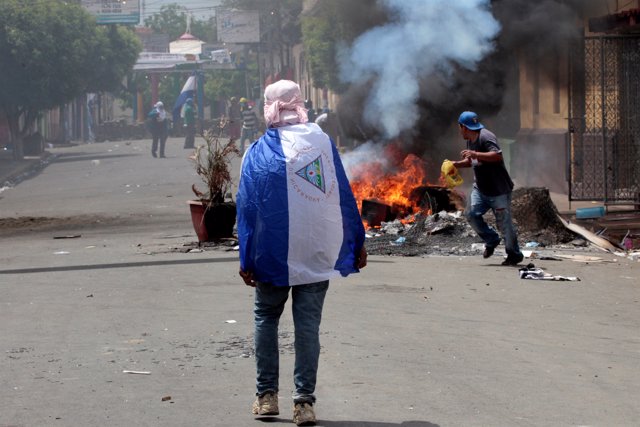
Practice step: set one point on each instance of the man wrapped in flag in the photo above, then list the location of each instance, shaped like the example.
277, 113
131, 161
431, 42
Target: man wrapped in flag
298, 226
188, 92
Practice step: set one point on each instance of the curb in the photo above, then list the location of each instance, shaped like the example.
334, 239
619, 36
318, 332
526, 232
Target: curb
12, 172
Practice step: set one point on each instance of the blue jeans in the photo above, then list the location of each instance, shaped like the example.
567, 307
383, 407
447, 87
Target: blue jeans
478, 205
307, 312
246, 134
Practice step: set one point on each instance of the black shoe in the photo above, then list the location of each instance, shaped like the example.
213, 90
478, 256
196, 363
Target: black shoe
488, 251
154, 154
513, 260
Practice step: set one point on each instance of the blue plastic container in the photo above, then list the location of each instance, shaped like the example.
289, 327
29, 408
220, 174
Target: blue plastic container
586, 213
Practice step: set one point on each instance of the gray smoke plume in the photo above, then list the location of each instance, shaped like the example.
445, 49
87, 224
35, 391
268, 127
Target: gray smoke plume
422, 39
434, 59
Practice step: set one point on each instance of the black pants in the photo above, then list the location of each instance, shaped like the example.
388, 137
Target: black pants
159, 137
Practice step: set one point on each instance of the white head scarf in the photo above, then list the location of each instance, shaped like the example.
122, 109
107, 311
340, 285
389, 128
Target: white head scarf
283, 104
162, 113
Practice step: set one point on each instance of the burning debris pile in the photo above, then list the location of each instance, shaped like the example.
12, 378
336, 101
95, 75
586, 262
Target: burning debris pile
404, 214
447, 232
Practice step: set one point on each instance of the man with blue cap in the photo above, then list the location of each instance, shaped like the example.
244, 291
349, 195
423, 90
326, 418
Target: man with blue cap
491, 189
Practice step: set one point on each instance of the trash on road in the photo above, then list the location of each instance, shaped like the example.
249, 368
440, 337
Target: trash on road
165, 398
536, 273
399, 240
592, 237
73, 236
61, 253
230, 321
581, 258
136, 372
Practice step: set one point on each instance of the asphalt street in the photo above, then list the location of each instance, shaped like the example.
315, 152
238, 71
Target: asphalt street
108, 320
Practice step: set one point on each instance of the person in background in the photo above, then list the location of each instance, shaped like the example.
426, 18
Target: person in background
189, 124
249, 125
491, 189
159, 127
298, 226
328, 122
321, 119
311, 113
235, 118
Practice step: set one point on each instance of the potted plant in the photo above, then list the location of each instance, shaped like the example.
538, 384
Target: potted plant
212, 215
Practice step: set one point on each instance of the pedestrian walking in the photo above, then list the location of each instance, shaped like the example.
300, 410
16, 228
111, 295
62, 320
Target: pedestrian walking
492, 187
189, 124
249, 125
298, 226
159, 127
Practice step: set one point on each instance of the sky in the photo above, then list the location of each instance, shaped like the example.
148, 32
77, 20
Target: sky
202, 9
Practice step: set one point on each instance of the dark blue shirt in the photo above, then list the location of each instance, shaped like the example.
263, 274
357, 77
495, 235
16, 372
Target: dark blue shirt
491, 178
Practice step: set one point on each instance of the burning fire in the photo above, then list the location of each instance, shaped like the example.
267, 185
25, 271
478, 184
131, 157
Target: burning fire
391, 186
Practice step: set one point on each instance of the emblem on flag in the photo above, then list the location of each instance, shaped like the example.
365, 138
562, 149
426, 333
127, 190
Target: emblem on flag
314, 174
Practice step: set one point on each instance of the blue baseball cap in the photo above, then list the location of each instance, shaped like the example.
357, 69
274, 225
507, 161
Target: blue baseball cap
470, 120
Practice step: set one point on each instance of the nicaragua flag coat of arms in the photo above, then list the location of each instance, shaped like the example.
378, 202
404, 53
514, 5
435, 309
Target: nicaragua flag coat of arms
298, 221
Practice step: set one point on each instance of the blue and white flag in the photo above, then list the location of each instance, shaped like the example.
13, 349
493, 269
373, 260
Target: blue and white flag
298, 221
188, 91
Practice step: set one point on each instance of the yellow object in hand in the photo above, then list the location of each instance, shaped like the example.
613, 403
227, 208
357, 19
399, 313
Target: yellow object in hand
450, 175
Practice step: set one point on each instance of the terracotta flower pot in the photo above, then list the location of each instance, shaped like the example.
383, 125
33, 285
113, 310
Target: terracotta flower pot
214, 222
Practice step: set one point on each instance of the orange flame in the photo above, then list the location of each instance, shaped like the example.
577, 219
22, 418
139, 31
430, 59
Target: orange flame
374, 181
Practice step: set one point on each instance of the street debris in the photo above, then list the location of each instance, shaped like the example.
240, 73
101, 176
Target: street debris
600, 242
581, 258
165, 398
230, 321
73, 236
61, 253
449, 233
536, 273
136, 372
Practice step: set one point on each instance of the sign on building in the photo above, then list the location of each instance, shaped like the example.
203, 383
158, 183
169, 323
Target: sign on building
238, 26
114, 11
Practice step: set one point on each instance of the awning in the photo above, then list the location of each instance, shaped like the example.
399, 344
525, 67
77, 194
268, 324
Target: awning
622, 22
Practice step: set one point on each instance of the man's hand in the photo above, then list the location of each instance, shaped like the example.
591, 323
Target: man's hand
361, 262
469, 154
247, 276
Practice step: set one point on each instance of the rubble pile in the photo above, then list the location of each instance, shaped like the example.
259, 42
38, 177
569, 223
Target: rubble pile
443, 233
448, 233
536, 217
